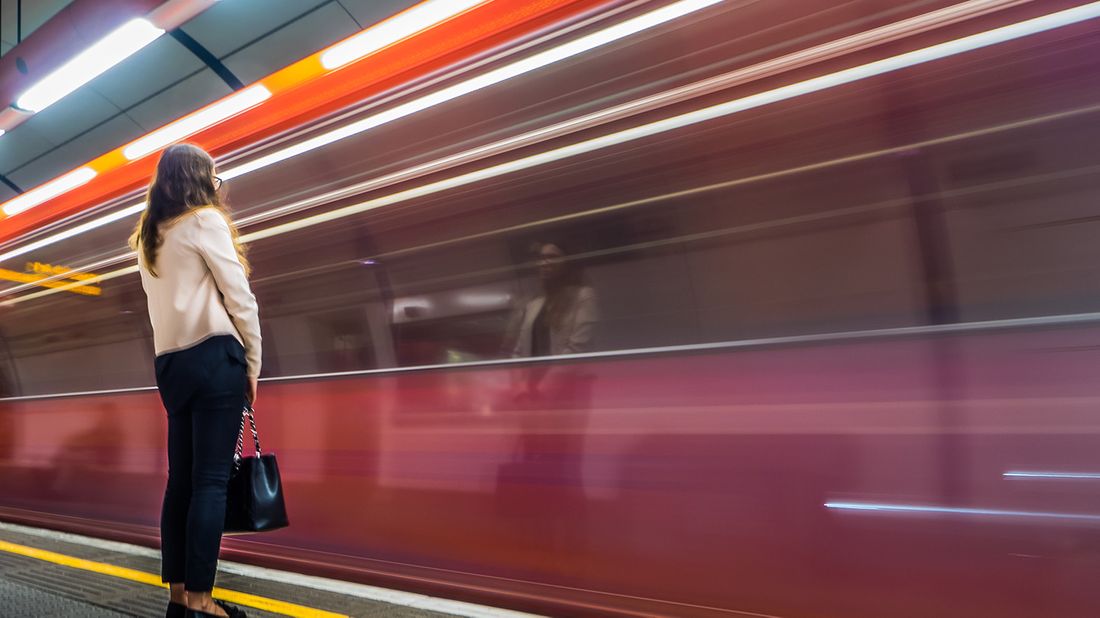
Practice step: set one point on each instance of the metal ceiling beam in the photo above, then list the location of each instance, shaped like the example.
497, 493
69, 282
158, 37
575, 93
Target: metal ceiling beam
207, 57
11, 185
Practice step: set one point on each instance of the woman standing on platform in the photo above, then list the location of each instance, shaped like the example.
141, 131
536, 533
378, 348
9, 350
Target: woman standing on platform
206, 333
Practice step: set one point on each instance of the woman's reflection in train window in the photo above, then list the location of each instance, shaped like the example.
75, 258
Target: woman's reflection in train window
561, 318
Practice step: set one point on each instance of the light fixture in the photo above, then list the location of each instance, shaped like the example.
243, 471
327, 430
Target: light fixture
195, 122
88, 64
556, 54
48, 191
392, 30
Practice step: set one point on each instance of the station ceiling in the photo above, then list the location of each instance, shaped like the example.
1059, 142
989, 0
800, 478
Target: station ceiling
167, 79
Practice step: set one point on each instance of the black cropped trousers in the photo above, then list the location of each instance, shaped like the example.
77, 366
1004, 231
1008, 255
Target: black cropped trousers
203, 390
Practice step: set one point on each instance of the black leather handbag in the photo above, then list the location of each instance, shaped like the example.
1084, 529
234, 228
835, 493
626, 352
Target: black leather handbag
254, 502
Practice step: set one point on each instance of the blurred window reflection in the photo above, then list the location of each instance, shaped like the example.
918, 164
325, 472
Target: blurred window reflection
562, 318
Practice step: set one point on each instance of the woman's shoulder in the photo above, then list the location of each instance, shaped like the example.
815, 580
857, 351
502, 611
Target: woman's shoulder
193, 217
196, 225
204, 218
209, 215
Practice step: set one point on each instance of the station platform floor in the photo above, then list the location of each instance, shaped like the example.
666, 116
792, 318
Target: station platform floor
49, 574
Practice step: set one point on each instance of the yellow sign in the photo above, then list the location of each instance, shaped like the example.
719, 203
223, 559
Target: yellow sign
57, 276
50, 269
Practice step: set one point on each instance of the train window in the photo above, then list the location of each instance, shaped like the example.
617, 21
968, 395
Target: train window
73, 343
1016, 178
320, 320
663, 246
745, 262
1024, 236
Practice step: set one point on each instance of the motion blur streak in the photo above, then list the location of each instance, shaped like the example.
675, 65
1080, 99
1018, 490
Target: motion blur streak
739, 76
944, 510
557, 54
73, 231
418, 170
1053, 475
788, 62
413, 172
929, 54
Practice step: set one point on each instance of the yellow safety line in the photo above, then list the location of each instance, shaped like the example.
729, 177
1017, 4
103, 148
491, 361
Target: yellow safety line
240, 598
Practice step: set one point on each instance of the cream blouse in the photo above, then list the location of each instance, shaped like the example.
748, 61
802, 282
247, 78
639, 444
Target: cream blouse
201, 288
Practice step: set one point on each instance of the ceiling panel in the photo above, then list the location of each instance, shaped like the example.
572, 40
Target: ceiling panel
6, 193
314, 32
20, 145
7, 22
72, 115
161, 64
227, 26
165, 80
35, 13
185, 97
106, 136
370, 12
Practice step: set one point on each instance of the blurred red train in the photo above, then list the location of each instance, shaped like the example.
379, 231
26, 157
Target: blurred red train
845, 356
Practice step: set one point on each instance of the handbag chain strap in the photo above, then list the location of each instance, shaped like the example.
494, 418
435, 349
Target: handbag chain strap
250, 414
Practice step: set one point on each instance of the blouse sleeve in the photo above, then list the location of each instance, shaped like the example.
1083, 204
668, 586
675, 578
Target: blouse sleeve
586, 314
215, 244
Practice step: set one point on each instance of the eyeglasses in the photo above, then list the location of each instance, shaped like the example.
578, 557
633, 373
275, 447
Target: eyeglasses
217, 183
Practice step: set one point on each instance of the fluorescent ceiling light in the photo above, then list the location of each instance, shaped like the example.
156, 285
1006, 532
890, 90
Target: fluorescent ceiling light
48, 191
193, 123
2, 131
573, 48
73, 231
393, 30
88, 64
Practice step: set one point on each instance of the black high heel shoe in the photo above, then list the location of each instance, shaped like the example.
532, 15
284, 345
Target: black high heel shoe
175, 610
232, 610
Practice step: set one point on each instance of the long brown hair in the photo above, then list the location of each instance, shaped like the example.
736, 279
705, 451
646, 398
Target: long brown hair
183, 182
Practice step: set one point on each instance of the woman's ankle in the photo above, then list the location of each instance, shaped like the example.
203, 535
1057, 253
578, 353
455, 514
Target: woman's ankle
200, 600
176, 594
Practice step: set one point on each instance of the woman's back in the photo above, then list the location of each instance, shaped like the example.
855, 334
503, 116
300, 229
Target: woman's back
200, 288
